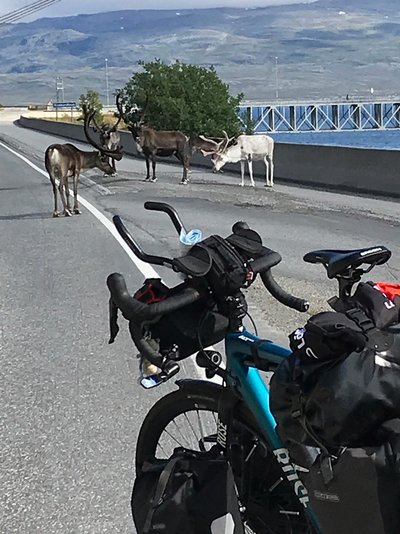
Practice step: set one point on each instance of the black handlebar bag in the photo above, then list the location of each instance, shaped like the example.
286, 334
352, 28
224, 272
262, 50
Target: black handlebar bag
183, 332
190, 493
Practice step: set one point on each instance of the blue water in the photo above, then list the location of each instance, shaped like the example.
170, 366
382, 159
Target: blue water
381, 139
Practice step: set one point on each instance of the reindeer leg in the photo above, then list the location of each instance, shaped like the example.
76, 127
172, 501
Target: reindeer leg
53, 183
61, 187
153, 164
113, 165
250, 163
147, 167
268, 172
242, 171
185, 162
77, 211
67, 194
271, 166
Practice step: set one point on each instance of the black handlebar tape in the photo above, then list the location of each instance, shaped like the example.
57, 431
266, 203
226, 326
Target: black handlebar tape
280, 294
169, 210
268, 259
133, 309
129, 306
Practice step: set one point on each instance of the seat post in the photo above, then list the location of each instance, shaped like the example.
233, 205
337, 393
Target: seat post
347, 281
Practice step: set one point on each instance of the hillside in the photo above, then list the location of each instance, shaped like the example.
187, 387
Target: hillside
325, 48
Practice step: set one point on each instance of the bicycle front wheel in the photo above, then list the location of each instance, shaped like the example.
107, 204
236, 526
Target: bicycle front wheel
188, 418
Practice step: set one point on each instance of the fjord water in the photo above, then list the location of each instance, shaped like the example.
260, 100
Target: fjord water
380, 139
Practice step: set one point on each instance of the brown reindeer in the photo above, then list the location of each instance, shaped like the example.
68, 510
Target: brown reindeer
152, 143
110, 137
66, 160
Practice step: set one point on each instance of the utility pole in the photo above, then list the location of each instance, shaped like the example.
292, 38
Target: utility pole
107, 88
59, 92
59, 89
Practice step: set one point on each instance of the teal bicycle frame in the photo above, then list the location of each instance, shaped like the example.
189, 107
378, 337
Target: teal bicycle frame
255, 393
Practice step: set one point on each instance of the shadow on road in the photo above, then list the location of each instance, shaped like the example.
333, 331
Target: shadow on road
27, 216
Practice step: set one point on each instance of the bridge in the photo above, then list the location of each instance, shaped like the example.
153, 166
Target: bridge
322, 116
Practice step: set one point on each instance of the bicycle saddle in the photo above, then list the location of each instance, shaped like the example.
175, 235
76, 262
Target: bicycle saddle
338, 261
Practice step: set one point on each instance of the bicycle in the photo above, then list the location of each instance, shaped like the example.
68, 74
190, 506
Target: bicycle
236, 414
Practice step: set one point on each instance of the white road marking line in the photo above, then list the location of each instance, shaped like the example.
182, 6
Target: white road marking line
146, 270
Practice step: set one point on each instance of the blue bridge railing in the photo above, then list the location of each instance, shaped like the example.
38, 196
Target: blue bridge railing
322, 117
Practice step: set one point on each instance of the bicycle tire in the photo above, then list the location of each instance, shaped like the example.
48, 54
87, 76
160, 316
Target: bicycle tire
201, 395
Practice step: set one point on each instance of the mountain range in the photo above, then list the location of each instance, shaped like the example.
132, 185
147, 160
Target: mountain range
304, 51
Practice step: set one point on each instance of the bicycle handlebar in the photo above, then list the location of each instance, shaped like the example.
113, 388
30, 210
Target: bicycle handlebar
138, 313
262, 266
280, 294
135, 247
133, 309
169, 210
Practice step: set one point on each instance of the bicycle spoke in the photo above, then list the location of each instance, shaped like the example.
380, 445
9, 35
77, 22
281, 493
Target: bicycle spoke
188, 430
184, 439
192, 428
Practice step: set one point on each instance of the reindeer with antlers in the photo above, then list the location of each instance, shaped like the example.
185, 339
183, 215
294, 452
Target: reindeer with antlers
247, 148
152, 143
66, 160
110, 137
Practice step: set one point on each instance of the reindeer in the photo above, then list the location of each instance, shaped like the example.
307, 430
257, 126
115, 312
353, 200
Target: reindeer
65, 160
200, 143
109, 136
248, 148
210, 147
152, 143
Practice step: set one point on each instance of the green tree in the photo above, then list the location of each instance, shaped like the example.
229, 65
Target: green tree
91, 99
182, 97
248, 123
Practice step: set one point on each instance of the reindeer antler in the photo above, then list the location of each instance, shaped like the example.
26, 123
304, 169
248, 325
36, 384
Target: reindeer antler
96, 126
115, 126
115, 154
227, 140
143, 112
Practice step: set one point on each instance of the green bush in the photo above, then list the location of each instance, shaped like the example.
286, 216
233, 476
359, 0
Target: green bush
91, 99
182, 97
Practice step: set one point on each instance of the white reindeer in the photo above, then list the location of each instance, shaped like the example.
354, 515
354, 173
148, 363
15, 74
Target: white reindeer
248, 148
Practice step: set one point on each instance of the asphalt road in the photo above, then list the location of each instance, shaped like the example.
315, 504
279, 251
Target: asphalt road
71, 406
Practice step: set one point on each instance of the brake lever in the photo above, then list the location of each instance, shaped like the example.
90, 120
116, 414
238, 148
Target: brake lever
170, 211
135, 247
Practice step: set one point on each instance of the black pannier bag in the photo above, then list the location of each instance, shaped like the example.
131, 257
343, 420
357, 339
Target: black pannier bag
342, 380
362, 493
178, 333
190, 493
332, 399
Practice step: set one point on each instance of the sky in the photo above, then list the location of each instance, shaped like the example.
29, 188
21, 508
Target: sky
75, 7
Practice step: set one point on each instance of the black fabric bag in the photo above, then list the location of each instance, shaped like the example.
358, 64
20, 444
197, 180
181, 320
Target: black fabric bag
363, 493
340, 402
219, 262
191, 493
343, 379
178, 333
